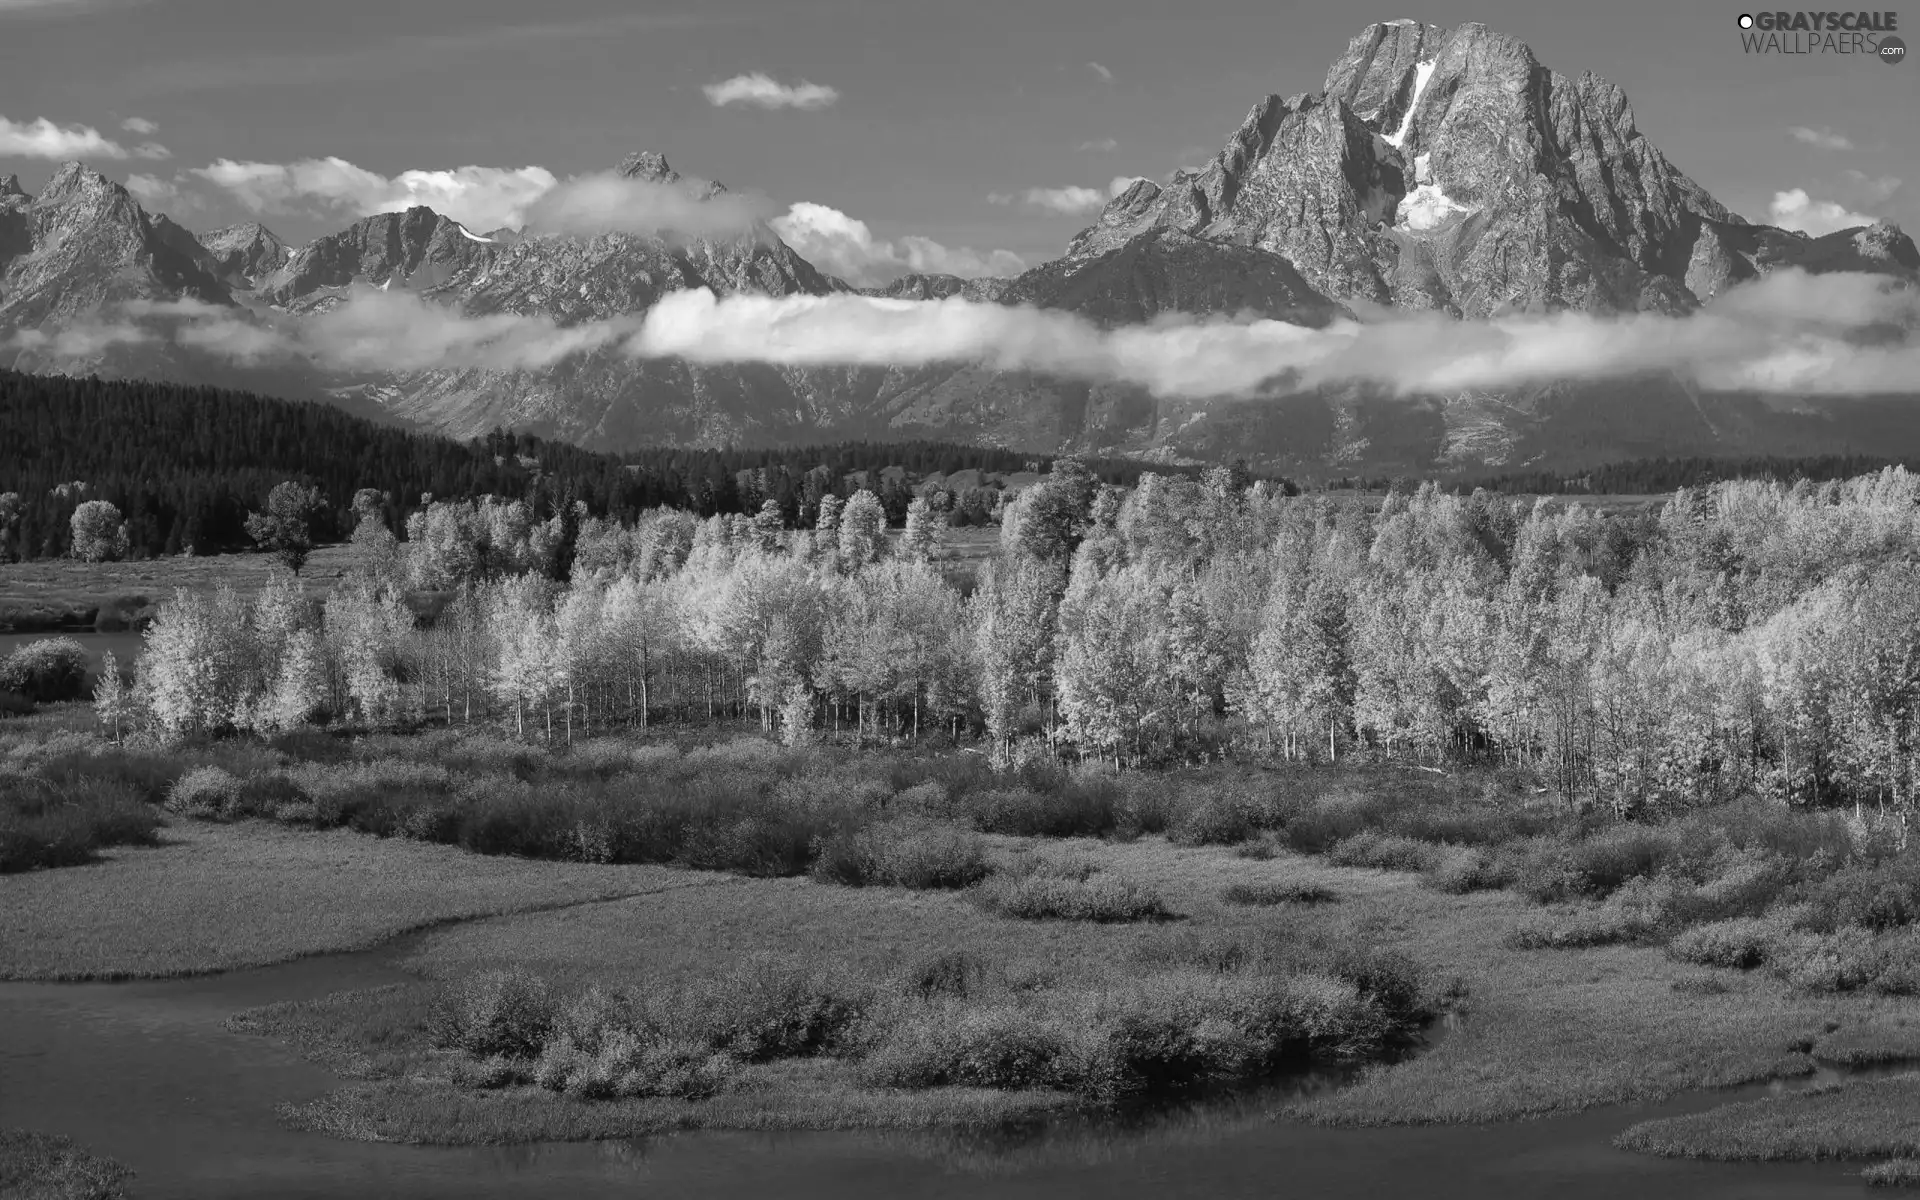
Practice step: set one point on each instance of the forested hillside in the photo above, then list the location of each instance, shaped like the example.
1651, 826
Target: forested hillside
184, 465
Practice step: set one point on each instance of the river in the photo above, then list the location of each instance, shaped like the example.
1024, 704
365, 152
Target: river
145, 1073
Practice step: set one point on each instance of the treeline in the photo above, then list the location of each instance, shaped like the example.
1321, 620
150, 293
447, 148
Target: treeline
185, 465
1653, 476
1747, 638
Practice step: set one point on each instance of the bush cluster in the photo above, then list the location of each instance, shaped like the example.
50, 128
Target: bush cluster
511, 1029
1039, 889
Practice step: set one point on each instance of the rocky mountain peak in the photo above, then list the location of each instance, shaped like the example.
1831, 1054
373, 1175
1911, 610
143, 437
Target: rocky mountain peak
1887, 243
243, 253
10, 186
1445, 168
648, 166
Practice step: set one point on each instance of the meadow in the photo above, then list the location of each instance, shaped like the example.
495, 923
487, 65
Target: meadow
693, 930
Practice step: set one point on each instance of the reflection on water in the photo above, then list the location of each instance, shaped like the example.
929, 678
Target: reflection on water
146, 1073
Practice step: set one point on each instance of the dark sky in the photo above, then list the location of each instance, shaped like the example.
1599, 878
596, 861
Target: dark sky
945, 115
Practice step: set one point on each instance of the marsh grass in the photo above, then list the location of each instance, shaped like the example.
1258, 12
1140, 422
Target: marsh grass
1872, 1118
44, 1166
1895, 1172
1876, 1042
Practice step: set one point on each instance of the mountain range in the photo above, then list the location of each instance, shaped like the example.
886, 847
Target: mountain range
1435, 170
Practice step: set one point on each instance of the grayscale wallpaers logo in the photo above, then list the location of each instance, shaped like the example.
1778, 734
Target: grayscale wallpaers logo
1868, 34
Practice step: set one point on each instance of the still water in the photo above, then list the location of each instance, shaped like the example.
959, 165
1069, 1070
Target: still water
145, 1073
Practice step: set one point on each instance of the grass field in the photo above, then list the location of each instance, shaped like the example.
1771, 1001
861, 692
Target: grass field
1193, 933
1540, 1032
220, 897
66, 593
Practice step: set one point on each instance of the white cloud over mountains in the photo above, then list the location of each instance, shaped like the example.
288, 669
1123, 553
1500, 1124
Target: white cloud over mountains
42, 138
843, 246
1790, 332
609, 203
534, 199
760, 90
481, 197
1795, 209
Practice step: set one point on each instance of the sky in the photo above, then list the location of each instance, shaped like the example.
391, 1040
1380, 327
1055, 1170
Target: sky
974, 136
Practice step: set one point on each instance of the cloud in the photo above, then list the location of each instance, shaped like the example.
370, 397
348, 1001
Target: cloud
1822, 137
1102, 72
1871, 190
761, 90
609, 203
1790, 332
43, 139
156, 194
481, 197
1793, 333
1100, 145
141, 126
1794, 209
843, 246
374, 330
1068, 201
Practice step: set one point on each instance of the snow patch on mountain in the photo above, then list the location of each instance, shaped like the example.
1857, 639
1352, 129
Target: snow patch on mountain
1426, 206
472, 236
1421, 73
1420, 172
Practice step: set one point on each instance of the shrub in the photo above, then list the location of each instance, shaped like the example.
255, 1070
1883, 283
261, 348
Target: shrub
770, 1009
46, 670
1041, 895
1391, 852
1161, 1035
1605, 860
910, 853
956, 973
1738, 942
1629, 917
205, 792
1876, 896
1215, 821
1072, 809
1841, 961
1740, 883
506, 1013
1265, 895
1459, 871
1008, 1046
46, 823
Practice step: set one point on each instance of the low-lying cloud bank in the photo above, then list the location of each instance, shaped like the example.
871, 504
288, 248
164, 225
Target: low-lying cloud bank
1789, 333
